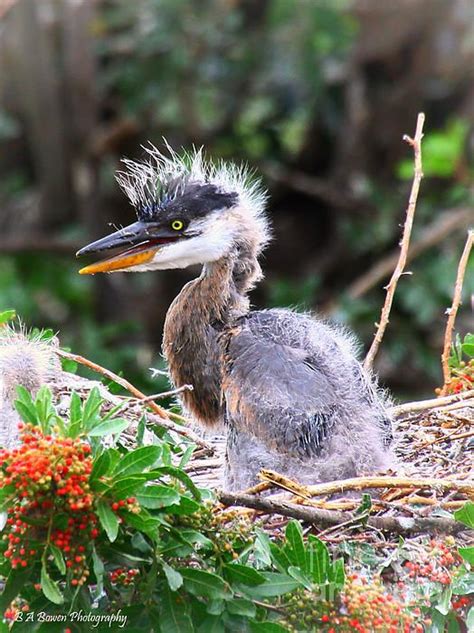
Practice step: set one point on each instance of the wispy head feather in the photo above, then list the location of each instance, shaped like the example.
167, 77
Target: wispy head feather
152, 183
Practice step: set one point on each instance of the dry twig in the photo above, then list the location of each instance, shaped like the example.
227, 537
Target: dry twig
364, 483
433, 403
327, 518
397, 273
452, 312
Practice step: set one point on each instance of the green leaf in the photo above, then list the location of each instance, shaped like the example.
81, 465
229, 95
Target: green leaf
203, 583
91, 409
318, 562
75, 415
6, 492
109, 427
44, 407
137, 461
267, 627
294, 548
182, 477
194, 537
108, 520
243, 574
300, 576
468, 554
365, 504
338, 573
466, 514
127, 486
212, 624
14, 584
58, 558
280, 558
101, 466
470, 620
140, 431
144, 523
7, 315
464, 584
275, 585
262, 548
186, 456
215, 607
468, 349
186, 506
173, 616
242, 606
174, 578
444, 604
99, 569
50, 588
156, 496
25, 406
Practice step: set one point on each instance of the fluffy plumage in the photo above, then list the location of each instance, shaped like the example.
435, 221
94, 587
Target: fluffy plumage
160, 179
26, 361
287, 386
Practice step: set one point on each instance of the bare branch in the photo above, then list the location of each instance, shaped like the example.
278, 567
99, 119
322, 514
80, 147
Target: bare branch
397, 273
327, 518
452, 312
433, 403
364, 483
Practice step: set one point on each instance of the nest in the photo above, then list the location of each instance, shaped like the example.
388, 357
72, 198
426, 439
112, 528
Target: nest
434, 442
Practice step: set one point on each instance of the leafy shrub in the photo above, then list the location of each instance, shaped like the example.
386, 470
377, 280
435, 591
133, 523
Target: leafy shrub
92, 526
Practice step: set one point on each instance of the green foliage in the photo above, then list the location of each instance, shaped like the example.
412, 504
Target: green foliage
162, 551
442, 152
462, 350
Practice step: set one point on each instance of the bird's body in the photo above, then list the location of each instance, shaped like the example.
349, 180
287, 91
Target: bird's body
287, 386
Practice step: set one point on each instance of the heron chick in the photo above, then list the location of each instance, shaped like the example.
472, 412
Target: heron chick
287, 386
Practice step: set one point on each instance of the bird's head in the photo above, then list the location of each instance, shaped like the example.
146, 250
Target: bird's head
189, 211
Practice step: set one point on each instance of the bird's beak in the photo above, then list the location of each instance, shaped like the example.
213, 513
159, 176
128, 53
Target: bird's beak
137, 242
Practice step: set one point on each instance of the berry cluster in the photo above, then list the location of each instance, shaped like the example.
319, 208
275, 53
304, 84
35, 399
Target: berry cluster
368, 607
231, 531
462, 379
130, 504
123, 577
48, 477
365, 606
438, 564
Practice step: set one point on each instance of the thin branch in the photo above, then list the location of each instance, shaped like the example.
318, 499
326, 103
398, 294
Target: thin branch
165, 421
452, 312
327, 518
397, 273
363, 483
162, 395
433, 403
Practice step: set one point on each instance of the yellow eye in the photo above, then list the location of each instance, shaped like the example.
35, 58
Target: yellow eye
177, 225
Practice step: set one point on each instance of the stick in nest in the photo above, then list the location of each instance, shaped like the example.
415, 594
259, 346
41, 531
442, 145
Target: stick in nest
327, 518
405, 243
364, 483
452, 311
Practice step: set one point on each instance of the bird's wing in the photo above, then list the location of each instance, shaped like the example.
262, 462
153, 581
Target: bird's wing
276, 392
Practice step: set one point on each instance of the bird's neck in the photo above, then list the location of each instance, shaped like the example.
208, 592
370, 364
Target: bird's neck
203, 308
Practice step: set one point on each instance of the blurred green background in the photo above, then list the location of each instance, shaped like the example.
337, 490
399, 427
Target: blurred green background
315, 95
